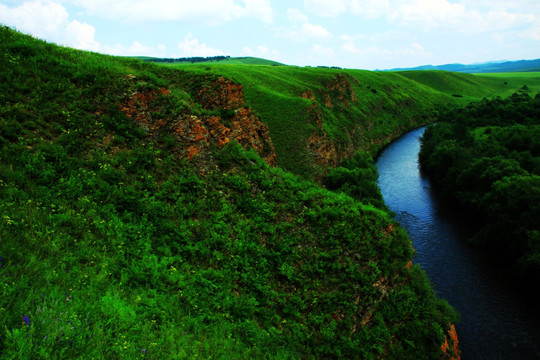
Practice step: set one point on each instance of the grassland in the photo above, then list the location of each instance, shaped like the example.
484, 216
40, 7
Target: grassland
472, 87
112, 246
357, 109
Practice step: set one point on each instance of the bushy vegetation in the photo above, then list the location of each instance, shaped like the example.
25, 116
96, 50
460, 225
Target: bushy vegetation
486, 158
357, 177
114, 247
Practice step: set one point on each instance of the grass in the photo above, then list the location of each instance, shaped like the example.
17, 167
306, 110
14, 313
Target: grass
114, 246
471, 87
358, 109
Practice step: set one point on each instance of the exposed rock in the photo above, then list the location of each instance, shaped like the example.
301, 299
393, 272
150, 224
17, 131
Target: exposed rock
450, 348
308, 94
323, 149
197, 134
221, 94
341, 90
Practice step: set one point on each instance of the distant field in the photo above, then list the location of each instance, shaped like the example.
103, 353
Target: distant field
476, 86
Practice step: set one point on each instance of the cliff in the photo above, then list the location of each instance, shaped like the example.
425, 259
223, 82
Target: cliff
317, 117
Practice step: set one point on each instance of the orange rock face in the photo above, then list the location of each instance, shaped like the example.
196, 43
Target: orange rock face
196, 135
451, 349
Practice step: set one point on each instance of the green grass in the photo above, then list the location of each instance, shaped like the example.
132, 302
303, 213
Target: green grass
365, 111
114, 246
475, 86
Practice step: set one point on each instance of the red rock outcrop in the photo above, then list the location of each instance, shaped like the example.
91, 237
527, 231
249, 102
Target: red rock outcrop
450, 348
197, 134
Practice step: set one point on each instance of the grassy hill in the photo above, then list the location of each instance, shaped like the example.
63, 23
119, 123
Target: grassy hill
246, 60
139, 219
318, 117
471, 87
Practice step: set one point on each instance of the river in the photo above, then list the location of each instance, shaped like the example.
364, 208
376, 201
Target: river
494, 322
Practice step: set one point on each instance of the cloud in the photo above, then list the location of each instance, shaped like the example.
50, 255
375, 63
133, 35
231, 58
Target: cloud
190, 47
207, 11
465, 16
135, 49
302, 29
398, 56
322, 51
328, 8
49, 20
260, 51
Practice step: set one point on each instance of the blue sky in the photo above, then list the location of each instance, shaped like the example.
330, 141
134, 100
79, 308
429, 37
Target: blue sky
361, 34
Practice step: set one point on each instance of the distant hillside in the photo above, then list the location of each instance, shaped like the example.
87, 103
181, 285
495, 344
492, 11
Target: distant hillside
488, 67
319, 116
470, 87
212, 59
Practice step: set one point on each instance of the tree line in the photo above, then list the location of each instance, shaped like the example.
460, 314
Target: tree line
485, 158
192, 60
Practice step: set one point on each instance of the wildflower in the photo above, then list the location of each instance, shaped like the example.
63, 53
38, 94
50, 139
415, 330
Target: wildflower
27, 320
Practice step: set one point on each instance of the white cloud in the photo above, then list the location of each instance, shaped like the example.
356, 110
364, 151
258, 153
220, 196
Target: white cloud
302, 29
472, 16
258, 9
371, 9
190, 46
331, 8
81, 36
135, 49
49, 20
297, 16
322, 51
315, 31
398, 56
260, 51
207, 11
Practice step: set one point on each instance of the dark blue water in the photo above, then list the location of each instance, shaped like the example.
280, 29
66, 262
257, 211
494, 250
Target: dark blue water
495, 323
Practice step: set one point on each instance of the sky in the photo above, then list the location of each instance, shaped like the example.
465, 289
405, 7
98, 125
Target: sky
359, 34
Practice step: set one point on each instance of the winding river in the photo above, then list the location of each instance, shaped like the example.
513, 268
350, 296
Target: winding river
494, 322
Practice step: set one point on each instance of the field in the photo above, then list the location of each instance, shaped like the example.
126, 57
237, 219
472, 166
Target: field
471, 87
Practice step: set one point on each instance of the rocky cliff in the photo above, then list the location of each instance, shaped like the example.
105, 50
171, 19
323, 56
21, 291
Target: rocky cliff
226, 118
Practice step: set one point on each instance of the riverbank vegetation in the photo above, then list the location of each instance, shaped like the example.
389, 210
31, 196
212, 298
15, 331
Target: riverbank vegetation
121, 239
485, 157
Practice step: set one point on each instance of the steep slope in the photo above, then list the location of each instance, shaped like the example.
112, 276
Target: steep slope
134, 224
318, 117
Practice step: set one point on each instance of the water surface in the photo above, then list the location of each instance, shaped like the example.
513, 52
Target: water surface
495, 323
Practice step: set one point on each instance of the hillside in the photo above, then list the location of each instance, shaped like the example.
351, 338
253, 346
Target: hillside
142, 217
246, 60
317, 117
488, 67
469, 87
